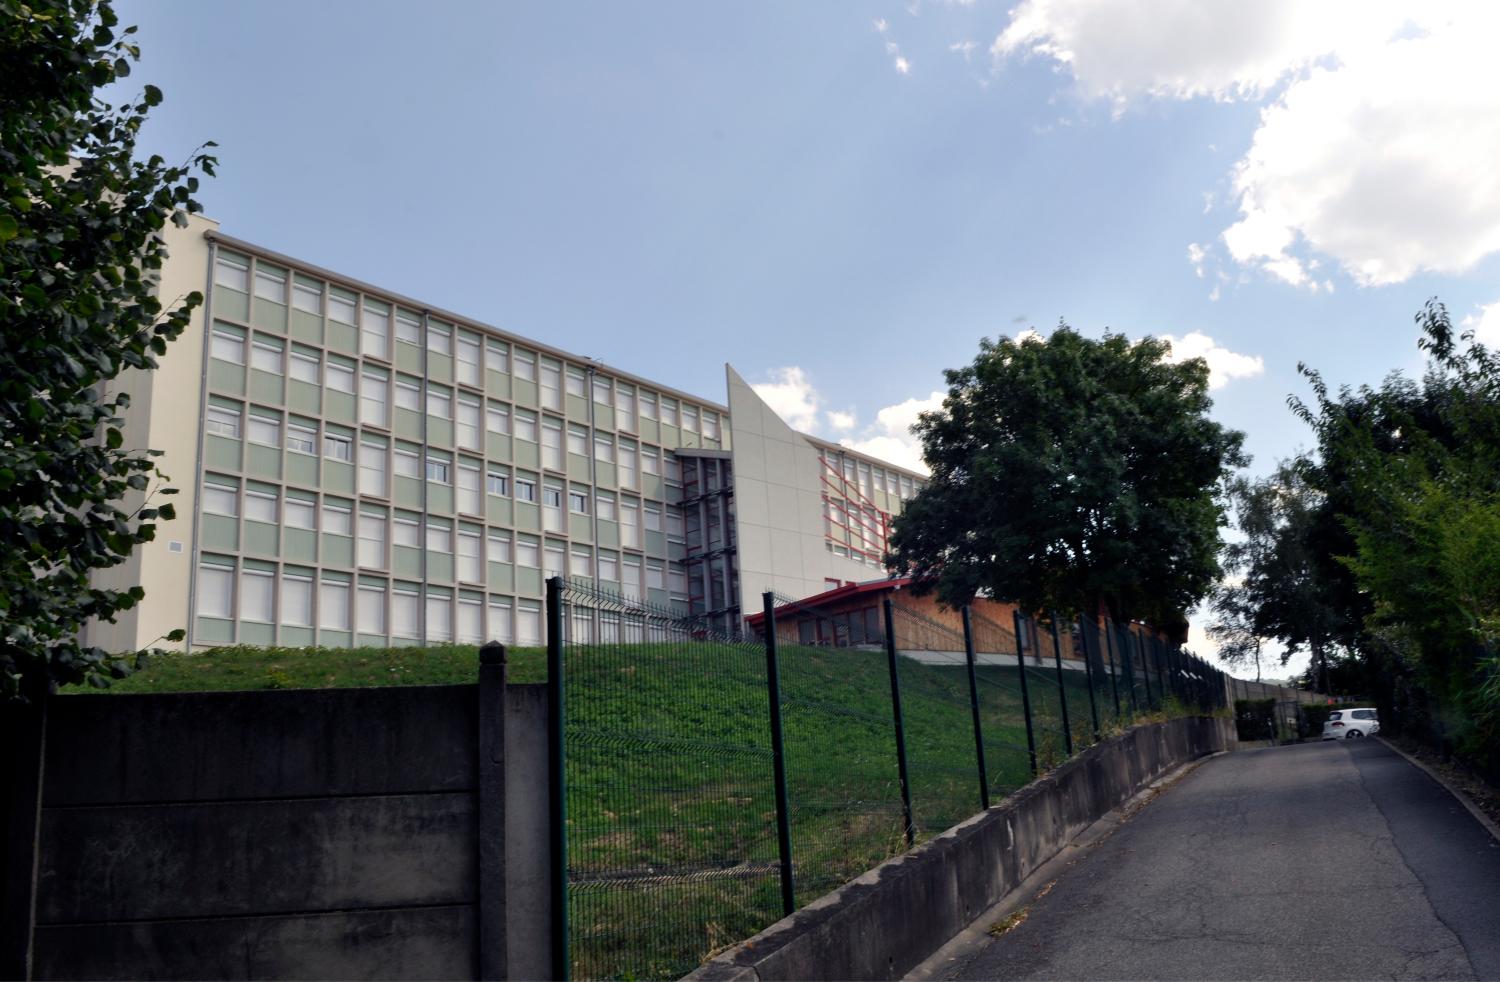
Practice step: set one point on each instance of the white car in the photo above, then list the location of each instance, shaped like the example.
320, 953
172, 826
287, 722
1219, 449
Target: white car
1351, 724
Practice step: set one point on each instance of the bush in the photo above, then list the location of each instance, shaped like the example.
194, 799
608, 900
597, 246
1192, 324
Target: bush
1255, 719
1313, 718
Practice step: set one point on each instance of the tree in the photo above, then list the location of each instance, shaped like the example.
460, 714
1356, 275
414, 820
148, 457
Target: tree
1074, 474
80, 254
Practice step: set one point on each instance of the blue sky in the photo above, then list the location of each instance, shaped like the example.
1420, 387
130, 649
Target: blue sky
843, 198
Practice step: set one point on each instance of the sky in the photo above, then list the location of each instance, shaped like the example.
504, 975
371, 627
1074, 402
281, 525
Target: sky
842, 199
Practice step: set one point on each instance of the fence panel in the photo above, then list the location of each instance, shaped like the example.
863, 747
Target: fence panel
671, 830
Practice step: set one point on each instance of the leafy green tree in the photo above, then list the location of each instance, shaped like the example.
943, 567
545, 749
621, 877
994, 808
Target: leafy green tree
80, 253
1075, 474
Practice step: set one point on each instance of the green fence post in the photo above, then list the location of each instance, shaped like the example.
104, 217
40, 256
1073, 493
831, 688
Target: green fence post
1088, 671
900, 723
1140, 648
984, 774
1062, 692
1114, 665
1025, 694
778, 758
1129, 666
557, 790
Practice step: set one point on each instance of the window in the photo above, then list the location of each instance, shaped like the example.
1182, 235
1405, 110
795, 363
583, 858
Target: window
341, 306
229, 347
375, 332
437, 470
528, 624
372, 541
337, 447
264, 430
257, 594
631, 584
604, 449
551, 387
575, 382
266, 356
407, 463
371, 609
232, 271
408, 328
624, 407
554, 559
372, 397
527, 552
648, 405
525, 365
215, 590
439, 539
296, 600
650, 462
405, 531
525, 489
307, 295
674, 524
626, 465
497, 418
333, 605
270, 283
677, 580
467, 368
578, 502
304, 367
609, 567
337, 518
470, 620
260, 506
602, 391
551, 497
879, 480
439, 402
653, 517
689, 418
470, 499
606, 507
655, 577
405, 622
408, 393
710, 426
552, 444
219, 500
499, 546
525, 426
668, 411
580, 563
630, 523
470, 556
338, 376
439, 618
578, 440
466, 424
301, 439
372, 468
500, 620
300, 513
496, 357
224, 422
672, 468
439, 339
497, 483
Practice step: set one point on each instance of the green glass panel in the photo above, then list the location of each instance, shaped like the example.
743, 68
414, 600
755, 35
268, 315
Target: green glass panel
497, 446
609, 535
262, 538
658, 598
670, 436
304, 397
408, 424
580, 528
528, 516
408, 492
577, 408
339, 406
253, 633
440, 499
497, 385
656, 543
370, 640
342, 337
502, 577
334, 639
220, 533
338, 551
222, 452
270, 315
439, 367
265, 387
214, 629
302, 468
300, 545
338, 476
649, 430
578, 468
691, 439
525, 392
409, 358
499, 509
604, 417
263, 461
439, 568
604, 475
528, 455
404, 642
529, 582
652, 485
439, 431
307, 327
297, 637
231, 304
225, 377
406, 562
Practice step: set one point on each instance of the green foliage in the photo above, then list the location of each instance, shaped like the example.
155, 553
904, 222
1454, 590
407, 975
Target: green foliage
1255, 719
1073, 474
80, 253
1314, 715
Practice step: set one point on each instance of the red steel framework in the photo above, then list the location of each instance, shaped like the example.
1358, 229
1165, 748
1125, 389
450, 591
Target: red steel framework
869, 523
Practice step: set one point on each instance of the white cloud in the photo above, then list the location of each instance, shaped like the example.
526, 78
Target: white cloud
1485, 324
1223, 365
791, 395
881, 26
965, 48
903, 67
1376, 148
891, 437
1196, 254
841, 422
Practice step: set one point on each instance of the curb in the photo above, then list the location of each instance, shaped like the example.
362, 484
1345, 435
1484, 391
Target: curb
1457, 793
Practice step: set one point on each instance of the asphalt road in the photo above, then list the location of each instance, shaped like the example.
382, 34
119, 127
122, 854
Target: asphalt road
1317, 861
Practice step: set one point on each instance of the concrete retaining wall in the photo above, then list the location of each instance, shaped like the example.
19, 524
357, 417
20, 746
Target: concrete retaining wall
890, 919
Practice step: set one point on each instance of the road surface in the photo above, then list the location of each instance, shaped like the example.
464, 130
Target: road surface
1317, 861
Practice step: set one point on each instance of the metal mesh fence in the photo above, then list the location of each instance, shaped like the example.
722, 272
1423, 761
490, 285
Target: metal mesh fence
670, 803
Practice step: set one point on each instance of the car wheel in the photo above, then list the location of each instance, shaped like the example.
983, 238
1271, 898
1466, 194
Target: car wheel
1353, 735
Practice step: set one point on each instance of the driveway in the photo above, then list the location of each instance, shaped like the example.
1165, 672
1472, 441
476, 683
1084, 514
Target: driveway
1316, 861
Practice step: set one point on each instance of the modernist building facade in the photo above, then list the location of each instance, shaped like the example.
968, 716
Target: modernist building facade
355, 467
